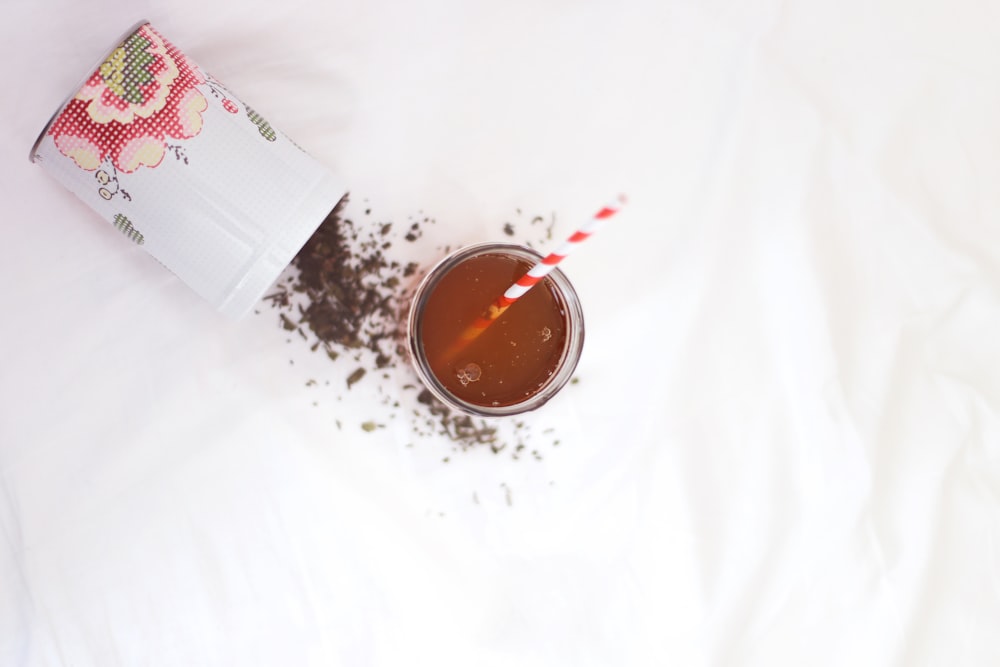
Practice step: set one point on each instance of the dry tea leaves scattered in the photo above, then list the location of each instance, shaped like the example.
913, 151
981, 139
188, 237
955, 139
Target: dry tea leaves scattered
346, 294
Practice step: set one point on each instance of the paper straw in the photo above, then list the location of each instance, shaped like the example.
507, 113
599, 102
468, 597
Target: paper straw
534, 276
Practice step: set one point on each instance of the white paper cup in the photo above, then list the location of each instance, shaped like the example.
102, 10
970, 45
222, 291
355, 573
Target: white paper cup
169, 156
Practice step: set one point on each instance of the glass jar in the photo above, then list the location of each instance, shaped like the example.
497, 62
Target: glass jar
518, 362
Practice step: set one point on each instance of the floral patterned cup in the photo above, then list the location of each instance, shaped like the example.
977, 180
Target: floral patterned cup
179, 165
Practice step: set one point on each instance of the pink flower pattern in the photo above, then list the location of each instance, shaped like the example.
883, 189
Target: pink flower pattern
141, 97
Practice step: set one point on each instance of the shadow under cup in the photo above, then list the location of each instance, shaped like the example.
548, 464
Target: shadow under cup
517, 363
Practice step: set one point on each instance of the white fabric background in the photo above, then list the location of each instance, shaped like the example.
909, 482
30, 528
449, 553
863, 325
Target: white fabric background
785, 445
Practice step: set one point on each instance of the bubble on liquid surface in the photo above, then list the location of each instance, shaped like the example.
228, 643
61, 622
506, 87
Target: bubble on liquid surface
469, 373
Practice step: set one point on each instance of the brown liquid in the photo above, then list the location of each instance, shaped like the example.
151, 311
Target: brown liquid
516, 355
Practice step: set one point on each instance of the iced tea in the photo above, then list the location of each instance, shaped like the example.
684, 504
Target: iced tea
521, 359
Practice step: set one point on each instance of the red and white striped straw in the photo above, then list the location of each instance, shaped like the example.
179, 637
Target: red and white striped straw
535, 275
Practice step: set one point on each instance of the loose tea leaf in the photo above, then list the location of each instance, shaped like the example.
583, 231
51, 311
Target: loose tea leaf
355, 376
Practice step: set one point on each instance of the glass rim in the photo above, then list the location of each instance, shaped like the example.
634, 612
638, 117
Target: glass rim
568, 360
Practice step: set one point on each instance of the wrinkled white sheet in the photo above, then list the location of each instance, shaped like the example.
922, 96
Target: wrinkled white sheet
784, 448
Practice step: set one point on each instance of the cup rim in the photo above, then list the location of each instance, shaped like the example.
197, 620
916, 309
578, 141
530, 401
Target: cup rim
33, 153
571, 350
